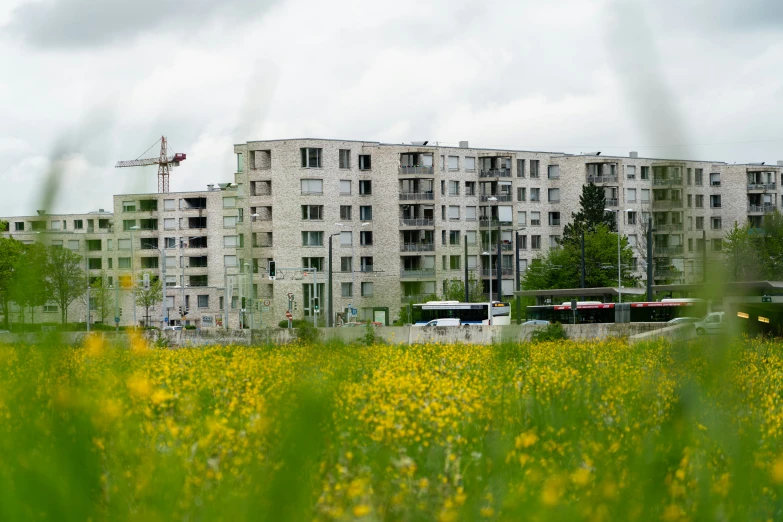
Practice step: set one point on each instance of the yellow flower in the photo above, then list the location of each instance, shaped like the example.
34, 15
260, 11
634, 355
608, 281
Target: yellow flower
361, 510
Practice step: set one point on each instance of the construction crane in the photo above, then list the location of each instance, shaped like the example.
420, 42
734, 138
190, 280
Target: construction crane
164, 163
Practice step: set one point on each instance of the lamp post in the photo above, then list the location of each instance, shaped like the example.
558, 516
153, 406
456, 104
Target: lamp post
518, 285
489, 263
330, 311
133, 276
619, 266
353, 272
164, 315
493, 199
251, 297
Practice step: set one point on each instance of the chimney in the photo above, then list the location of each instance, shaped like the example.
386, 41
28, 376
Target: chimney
211, 187
633, 154
463, 145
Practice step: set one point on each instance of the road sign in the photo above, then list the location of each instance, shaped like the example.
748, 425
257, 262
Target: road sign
766, 299
116, 319
264, 308
353, 311
289, 315
267, 302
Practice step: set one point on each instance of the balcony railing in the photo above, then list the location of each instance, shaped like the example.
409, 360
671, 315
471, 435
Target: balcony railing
601, 179
483, 222
761, 209
416, 170
668, 250
667, 181
417, 222
366, 268
502, 198
761, 186
611, 202
667, 203
507, 247
417, 247
420, 272
416, 196
493, 272
669, 227
495, 173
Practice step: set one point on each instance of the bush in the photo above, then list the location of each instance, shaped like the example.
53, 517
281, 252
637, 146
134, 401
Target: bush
296, 323
306, 332
552, 332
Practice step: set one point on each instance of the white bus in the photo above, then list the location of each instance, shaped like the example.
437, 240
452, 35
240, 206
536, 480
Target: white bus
467, 313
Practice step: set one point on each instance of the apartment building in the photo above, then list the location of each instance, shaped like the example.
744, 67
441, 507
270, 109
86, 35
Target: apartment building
400, 217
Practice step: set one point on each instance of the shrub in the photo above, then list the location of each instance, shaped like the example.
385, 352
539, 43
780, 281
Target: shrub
552, 332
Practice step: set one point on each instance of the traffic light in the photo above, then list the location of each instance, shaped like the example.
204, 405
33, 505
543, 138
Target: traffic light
180, 309
272, 270
120, 312
146, 281
315, 303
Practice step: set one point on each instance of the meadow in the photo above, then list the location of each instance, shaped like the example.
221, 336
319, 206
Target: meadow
548, 431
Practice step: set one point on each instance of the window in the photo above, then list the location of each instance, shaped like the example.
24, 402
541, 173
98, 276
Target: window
366, 264
521, 193
690, 200
699, 223
346, 264
78, 224
312, 186
717, 244
345, 159
311, 158
311, 238
129, 206
470, 237
470, 213
522, 218
645, 173
630, 195
535, 194
345, 187
699, 201
169, 223
170, 242
520, 168
631, 217
553, 172
535, 219
50, 308
470, 163
554, 195
645, 195
128, 224
365, 238
230, 241
124, 244
554, 219
689, 175
345, 212
56, 225
715, 201
698, 176
73, 244
453, 162
95, 263
630, 171
365, 213
169, 204
554, 241
312, 212
367, 289
443, 163
522, 242
470, 188
148, 243
365, 187
346, 238
454, 212
94, 245
715, 179
203, 301
316, 263
346, 289
453, 188
534, 164
454, 237
454, 262
717, 223
229, 221
442, 188
535, 242
57, 243
229, 261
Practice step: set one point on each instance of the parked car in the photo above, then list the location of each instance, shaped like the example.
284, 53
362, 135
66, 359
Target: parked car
444, 322
172, 328
683, 320
534, 321
353, 324
713, 323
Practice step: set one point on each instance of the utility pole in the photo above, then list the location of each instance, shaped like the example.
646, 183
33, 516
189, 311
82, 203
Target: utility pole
517, 286
467, 290
649, 260
582, 278
164, 309
133, 276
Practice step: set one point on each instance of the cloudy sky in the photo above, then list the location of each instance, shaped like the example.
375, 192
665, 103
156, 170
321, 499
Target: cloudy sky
88, 82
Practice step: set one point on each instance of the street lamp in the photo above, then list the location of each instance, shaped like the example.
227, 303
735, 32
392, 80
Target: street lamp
353, 272
489, 257
133, 275
493, 199
518, 285
330, 311
619, 266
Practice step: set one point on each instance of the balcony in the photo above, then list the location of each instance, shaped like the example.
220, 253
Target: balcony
601, 179
483, 222
663, 182
668, 250
493, 272
761, 186
611, 202
669, 227
416, 171
667, 203
416, 196
416, 273
502, 198
417, 222
504, 247
495, 173
417, 247
761, 209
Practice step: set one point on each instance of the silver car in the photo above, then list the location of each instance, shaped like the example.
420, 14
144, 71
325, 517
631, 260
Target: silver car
534, 322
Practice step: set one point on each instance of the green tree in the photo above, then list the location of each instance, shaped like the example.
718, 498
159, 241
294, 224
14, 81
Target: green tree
64, 277
455, 291
102, 295
591, 215
29, 288
751, 254
10, 251
560, 267
148, 297
4, 226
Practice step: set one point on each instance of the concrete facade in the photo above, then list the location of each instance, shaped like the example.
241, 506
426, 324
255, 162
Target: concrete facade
400, 215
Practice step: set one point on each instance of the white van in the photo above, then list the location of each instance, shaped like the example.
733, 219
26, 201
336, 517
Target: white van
711, 324
444, 322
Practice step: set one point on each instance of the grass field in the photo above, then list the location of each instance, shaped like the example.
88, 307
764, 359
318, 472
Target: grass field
550, 431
